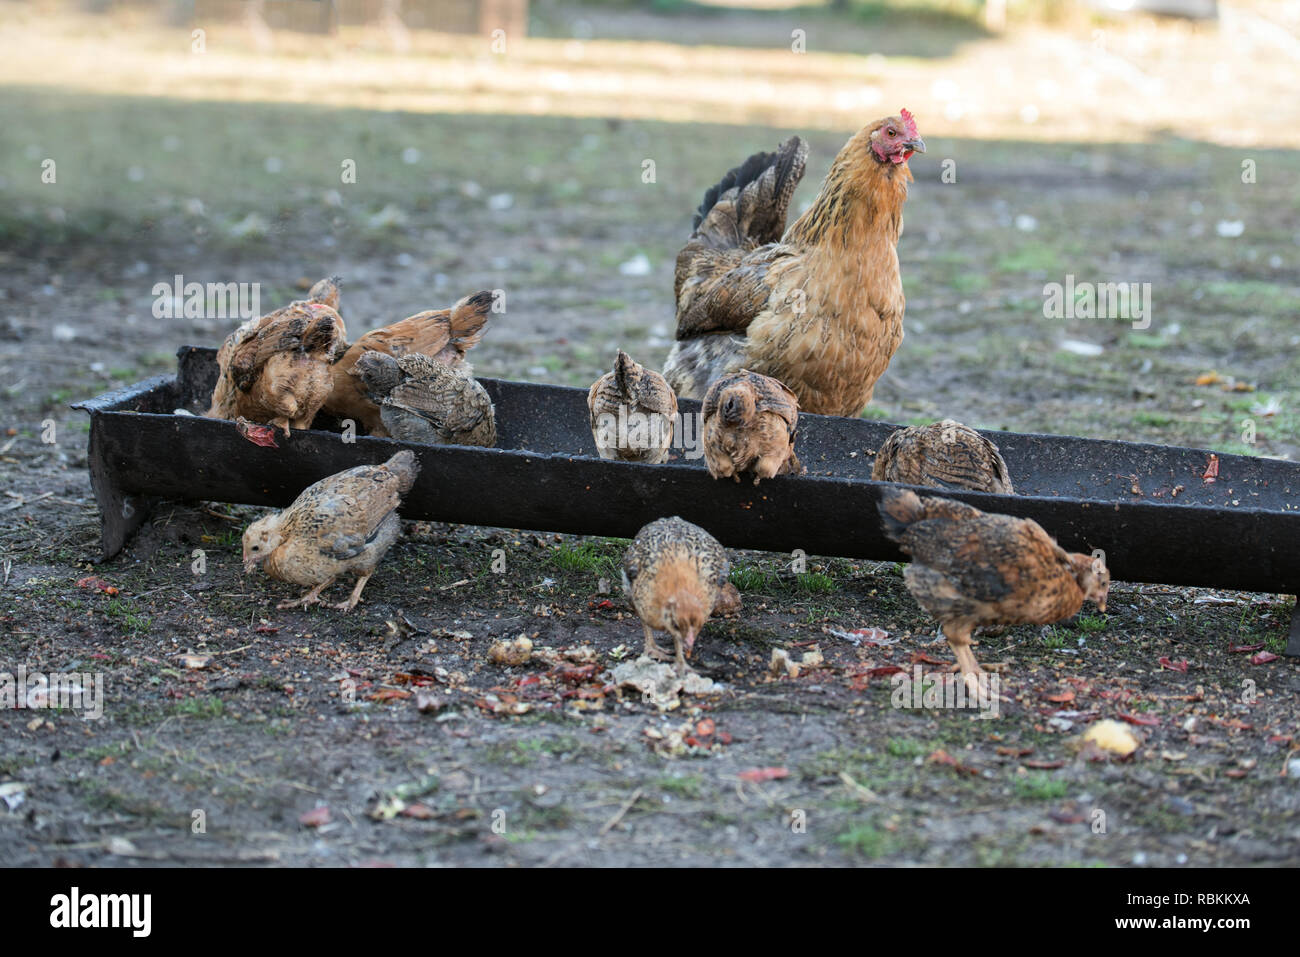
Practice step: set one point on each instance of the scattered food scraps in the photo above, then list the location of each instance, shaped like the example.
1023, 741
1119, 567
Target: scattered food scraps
514, 652
1110, 736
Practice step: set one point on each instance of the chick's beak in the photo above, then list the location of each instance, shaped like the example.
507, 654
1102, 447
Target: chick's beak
688, 642
1101, 601
915, 144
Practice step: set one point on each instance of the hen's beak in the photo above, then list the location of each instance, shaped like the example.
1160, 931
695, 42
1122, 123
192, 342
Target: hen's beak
1101, 601
916, 145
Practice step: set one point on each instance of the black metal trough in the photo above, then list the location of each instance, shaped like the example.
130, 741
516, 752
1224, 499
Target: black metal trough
1148, 507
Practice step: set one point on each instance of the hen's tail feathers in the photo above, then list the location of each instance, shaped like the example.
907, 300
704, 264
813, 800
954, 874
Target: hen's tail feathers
748, 207
406, 467
468, 319
326, 291
624, 368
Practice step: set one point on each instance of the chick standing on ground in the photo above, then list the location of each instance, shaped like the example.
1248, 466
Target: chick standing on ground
944, 454
749, 426
342, 525
674, 572
970, 569
421, 400
632, 411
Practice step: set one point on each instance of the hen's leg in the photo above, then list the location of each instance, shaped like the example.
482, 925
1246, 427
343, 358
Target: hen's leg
355, 596
682, 667
652, 647
311, 598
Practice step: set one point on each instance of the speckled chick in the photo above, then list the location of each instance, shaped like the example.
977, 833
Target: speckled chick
749, 426
970, 568
944, 454
342, 525
674, 573
423, 400
632, 413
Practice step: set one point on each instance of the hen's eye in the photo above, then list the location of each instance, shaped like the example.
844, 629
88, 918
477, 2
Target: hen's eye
256, 547
892, 132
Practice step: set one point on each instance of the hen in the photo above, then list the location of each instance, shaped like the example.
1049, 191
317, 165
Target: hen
442, 334
818, 305
342, 525
944, 454
970, 569
276, 369
674, 572
749, 426
632, 413
421, 400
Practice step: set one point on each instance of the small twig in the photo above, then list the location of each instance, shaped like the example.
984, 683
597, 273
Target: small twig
621, 812
229, 518
463, 581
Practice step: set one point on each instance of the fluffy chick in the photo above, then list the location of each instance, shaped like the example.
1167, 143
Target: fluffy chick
944, 454
421, 400
276, 369
970, 568
342, 525
749, 426
632, 413
674, 572
442, 334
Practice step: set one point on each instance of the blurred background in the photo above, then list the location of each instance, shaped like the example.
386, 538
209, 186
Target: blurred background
555, 149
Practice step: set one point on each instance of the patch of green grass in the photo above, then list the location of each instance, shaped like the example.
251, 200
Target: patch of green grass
1054, 638
866, 840
814, 583
1088, 624
748, 577
682, 785
588, 557
200, 708
1039, 786
1156, 419
906, 747
1032, 258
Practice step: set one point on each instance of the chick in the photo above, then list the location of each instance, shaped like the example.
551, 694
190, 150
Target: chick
970, 569
749, 426
674, 572
944, 454
421, 400
442, 334
276, 370
632, 413
342, 525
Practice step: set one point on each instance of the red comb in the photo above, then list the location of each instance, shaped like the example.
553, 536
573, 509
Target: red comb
909, 124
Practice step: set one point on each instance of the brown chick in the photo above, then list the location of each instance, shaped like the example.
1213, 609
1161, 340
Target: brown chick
944, 454
632, 413
421, 400
276, 369
441, 334
674, 572
749, 426
342, 525
970, 569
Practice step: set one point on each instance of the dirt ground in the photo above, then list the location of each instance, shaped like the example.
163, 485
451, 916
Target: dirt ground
386, 735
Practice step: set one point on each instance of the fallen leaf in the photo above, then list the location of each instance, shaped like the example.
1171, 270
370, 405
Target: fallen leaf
921, 658
1145, 720
1263, 658
316, 817
1209, 378
418, 811
98, 584
1179, 665
1064, 697
1014, 752
704, 728
764, 774
1041, 765
1211, 470
389, 694
1243, 649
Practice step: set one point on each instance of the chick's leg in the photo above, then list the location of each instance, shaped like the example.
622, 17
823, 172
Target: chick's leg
959, 639
311, 598
652, 648
355, 596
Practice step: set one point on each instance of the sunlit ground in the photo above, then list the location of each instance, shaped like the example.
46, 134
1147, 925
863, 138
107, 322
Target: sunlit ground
1232, 83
